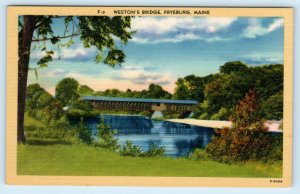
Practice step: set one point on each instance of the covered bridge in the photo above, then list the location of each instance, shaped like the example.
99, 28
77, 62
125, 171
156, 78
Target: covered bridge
141, 104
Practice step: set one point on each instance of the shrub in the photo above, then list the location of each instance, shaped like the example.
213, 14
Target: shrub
51, 134
154, 151
131, 150
84, 133
106, 136
56, 130
74, 115
199, 154
222, 114
204, 116
248, 139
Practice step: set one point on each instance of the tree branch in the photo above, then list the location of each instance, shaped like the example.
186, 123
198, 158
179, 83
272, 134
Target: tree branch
46, 39
42, 22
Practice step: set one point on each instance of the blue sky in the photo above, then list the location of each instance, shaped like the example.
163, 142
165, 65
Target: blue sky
166, 48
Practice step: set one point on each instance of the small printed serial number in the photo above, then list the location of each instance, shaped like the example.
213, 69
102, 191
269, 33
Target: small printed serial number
276, 181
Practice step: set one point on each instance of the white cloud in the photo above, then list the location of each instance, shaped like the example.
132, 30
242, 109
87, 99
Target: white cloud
180, 38
55, 73
74, 52
172, 24
217, 39
142, 77
256, 28
131, 77
276, 24
153, 30
216, 24
263, 57
177, 38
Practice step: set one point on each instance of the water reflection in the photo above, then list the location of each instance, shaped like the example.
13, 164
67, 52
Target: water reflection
177, 139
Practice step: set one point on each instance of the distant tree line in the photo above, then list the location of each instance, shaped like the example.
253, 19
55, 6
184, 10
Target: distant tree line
41, 105
153, 91
217, 94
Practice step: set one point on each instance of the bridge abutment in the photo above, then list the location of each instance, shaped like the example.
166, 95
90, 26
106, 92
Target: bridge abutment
157, 115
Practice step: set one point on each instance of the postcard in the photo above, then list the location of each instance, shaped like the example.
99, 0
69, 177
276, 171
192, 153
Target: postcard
149, 96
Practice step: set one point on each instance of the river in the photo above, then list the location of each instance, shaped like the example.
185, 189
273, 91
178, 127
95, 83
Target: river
177, 139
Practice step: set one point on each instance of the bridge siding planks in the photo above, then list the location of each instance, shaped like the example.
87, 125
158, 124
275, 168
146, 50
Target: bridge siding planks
141, 106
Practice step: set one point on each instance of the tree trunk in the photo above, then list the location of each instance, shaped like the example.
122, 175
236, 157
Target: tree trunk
25, 39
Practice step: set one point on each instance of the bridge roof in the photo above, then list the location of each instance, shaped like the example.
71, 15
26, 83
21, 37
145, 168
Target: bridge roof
145, 100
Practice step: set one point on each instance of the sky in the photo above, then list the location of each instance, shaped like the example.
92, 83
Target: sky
164, 49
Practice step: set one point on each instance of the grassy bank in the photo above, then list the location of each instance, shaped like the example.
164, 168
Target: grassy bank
40, 157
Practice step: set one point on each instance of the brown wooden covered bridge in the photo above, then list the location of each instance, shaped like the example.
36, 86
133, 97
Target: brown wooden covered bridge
141, 104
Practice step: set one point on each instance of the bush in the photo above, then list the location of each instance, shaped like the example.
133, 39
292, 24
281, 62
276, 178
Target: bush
154, 151
106, 136
131, 150
204, 116
74, 115
249, 139
51, 134
222, 114
84, 133
199, 154
244, 145
57, 130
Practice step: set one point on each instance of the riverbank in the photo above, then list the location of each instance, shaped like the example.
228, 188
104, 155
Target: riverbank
203, 123
55, 158
273, 126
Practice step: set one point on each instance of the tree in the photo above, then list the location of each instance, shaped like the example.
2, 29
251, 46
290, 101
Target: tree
41, 105
233, 67
248, 138
247, 113
37, 97
226, 91
67, 91
273, 107
100, 32
190, 87
181, 90
85, 90
156, 91
268, 80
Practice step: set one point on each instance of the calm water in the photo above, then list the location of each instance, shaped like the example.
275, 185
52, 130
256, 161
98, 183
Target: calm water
177, 139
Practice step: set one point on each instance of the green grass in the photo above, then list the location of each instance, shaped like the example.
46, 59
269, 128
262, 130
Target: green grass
58, 157
52, 158
29, 121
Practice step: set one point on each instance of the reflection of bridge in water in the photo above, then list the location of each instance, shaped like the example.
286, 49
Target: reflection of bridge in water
141, 104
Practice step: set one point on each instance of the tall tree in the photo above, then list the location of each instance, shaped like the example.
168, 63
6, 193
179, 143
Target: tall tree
100, 32
67, 91
156, 91
190, 87
226, 91
233, 67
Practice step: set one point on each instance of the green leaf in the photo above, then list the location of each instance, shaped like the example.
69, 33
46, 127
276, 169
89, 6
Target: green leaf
99, 57
43, 62
49, 52
55, 39
115, 57
68, 19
